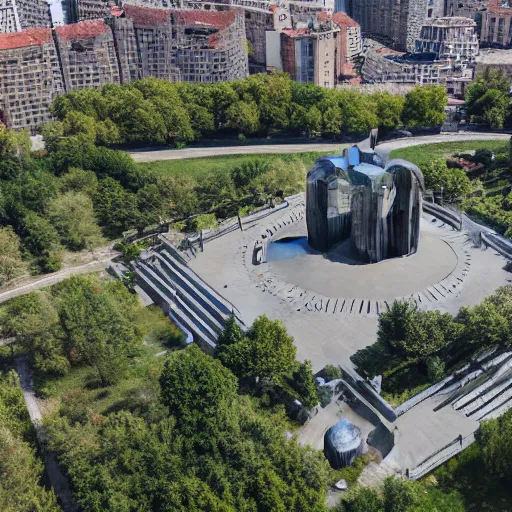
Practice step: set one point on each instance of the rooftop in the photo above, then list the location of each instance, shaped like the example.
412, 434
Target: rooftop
499, 7
454, 21
146, 16
343, 20
299, 32
209, 19
82, 30
29, 37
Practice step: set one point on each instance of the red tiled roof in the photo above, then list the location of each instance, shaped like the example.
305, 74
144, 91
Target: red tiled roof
493, 6
116, 11
212, 19
388, 51
29, 37
82, 30
339, 18
295, 32
343, 20
146, 16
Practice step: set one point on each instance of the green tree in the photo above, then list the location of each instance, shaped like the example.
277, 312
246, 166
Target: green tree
303, 382
223, 96
361, 499
415, 334
95, 319
115, 207
11, 263
493, 438
267, 351
424, 106
485, 325
231, 334
13, 411
487, 99
243, 174
179, 195
455, 182
32, 319
151, 206
76, 123
389, 111
14, 144
198, 390
201, 119
243, 117
43, 241
78, 180
313, 121
20, 489
73, 217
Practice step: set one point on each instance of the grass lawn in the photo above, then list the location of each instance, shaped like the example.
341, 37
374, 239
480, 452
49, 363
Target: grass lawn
199, 167
424, 154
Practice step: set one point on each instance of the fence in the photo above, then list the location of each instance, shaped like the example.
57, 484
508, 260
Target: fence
230, 225
440, 457
447, 216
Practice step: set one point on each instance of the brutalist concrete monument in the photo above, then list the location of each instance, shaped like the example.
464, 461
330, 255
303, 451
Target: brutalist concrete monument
356, 196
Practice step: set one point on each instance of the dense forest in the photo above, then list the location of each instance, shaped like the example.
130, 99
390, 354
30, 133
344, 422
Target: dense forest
74, 200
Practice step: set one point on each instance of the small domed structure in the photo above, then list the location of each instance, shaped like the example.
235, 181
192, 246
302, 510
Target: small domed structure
342, 444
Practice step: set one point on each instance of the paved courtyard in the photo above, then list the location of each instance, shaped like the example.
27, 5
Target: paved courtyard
331, 334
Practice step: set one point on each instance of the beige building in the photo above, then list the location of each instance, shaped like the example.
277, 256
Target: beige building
88, 55
30, 77
449, 38
322, 52
496, 25
17, 15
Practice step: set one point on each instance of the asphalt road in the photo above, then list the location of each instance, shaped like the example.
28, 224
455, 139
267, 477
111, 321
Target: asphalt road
384, 149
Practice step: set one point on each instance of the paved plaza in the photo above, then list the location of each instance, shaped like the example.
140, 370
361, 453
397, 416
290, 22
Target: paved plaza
327, 334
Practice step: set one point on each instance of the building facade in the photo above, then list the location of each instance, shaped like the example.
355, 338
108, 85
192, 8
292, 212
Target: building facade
497, 25
17, 15
449, 38
398, 21
87, 54
153, 33
30, 77
324, 52
210, 46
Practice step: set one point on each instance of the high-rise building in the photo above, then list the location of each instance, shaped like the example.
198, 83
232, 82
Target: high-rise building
87, 54
30, 77
497, 25
17, 15
322, 52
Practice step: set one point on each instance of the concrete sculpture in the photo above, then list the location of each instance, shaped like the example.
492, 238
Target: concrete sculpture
355, 196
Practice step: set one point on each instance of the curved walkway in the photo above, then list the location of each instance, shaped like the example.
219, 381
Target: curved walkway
155, 155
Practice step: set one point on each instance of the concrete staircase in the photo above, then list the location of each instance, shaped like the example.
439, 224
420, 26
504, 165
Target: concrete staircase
190, 302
